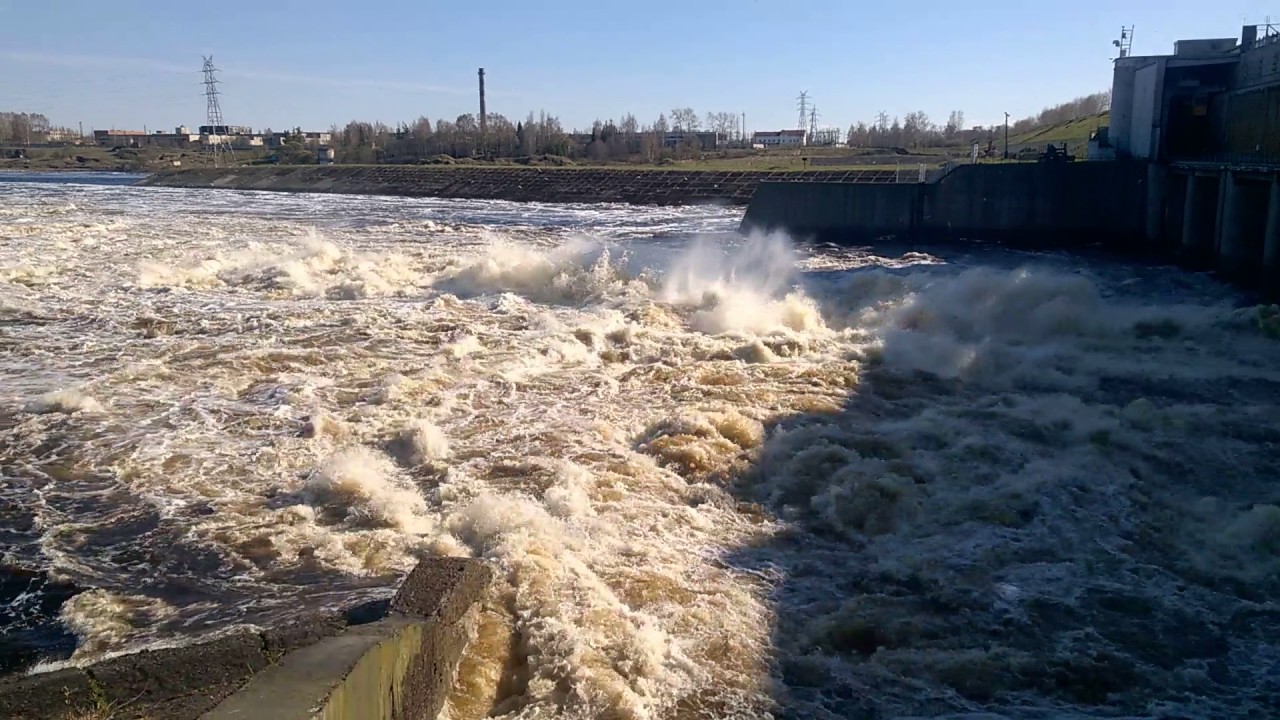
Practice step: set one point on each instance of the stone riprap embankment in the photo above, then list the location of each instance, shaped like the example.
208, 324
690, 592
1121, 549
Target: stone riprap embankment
522, 184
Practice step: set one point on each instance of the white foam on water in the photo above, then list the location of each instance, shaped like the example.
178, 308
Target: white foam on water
710, 483
107, 621
64, 401
419, 441
359, 487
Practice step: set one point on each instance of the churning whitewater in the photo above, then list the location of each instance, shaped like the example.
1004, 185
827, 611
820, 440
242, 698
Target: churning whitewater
717, 476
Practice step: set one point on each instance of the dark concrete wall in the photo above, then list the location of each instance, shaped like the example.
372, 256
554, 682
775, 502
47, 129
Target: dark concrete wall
1252, 121
379, 661
647, 187
839, 210
1025, 203
1073, 203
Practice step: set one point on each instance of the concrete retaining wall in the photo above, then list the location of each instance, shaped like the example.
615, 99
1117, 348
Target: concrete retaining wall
389, 661
1071, 203
1033, 203
847, 211
646, 187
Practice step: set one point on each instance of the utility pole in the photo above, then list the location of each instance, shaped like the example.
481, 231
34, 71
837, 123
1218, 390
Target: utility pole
1006, 136
484, 120
81, 128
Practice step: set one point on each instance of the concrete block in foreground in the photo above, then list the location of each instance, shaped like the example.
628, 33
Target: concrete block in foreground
395, 668
379, 660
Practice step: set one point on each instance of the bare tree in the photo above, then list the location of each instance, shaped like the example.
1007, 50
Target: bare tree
629, 126
723, 123
685, 119
23, 128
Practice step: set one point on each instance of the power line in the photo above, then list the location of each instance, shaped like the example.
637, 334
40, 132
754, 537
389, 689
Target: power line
217, 130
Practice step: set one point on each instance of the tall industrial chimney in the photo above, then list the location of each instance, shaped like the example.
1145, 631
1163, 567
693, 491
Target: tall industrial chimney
484, 118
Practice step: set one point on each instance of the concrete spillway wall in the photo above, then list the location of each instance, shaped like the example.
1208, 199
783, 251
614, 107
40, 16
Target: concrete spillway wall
1221, 218
647, 187
380, 661
1068, 203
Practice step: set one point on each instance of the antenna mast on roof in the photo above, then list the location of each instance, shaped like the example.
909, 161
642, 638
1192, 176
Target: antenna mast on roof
1125, 43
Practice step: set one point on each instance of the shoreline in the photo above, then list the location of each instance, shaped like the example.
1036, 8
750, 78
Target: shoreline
520, 184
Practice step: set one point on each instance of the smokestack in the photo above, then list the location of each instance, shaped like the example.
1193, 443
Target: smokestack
484, 119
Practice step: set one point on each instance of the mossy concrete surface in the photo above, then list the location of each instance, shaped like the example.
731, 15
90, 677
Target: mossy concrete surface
378, 660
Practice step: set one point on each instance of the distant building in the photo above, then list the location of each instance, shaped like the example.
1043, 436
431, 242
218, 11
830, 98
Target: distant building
119, 138
310, 139
781, 138
703, 140
1211, 97
173, 140
63, 136
226, 130
324, 155
138, 138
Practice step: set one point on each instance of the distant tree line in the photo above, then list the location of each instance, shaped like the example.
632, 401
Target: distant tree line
17, 128
668, 136
23, 128
1081, 107
916, 130
536, 135
913, 130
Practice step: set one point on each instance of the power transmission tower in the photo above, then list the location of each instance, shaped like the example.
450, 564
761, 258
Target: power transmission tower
813, 123
804, 110
218, 144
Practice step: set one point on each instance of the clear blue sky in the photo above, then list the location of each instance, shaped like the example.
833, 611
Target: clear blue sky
286, 63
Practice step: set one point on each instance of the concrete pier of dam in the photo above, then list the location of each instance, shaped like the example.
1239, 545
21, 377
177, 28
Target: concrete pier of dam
1219, 218
1224, 218
523, 184
377, 661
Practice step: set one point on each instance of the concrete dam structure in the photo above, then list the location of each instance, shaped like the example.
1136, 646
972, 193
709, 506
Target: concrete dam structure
1209, 217
525, 184
1043, 203
1224, 218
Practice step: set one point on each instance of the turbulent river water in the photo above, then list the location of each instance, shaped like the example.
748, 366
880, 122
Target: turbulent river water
717, 476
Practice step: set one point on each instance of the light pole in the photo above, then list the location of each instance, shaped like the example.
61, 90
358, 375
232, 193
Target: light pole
1006, 136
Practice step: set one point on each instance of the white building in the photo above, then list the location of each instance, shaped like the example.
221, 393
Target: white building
781, 138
